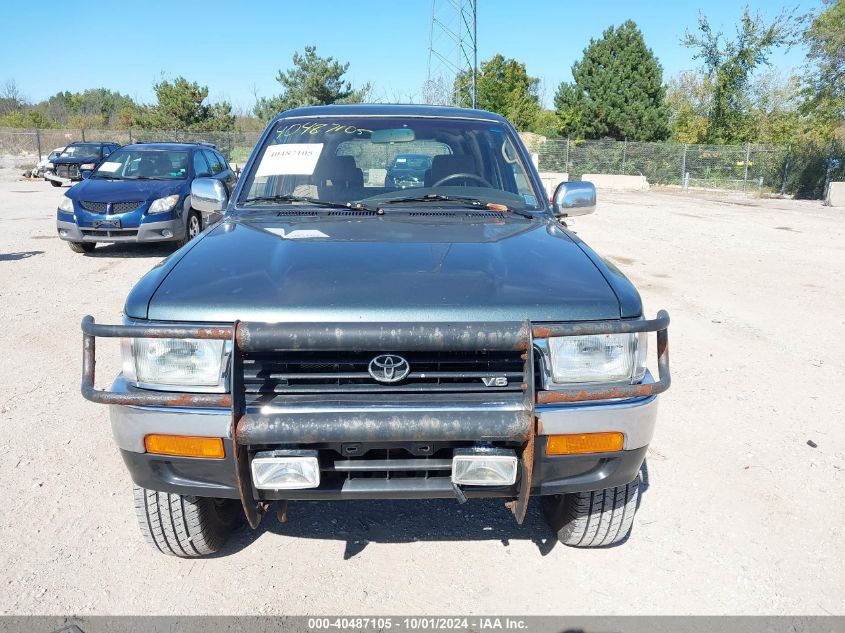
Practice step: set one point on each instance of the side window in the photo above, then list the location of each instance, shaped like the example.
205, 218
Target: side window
222, 160
521, 182
200, 166
216, 166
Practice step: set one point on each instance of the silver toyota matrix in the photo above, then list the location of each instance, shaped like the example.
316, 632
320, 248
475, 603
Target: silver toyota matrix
339, 333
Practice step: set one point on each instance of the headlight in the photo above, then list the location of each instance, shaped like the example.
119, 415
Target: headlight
163, 205
597, 358
174, 362
66, 205
87, 166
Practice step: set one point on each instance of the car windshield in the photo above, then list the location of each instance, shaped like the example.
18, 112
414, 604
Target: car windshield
378, 160
144, 164
86, 149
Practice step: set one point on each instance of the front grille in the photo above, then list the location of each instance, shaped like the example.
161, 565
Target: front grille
116, 207
347, 372
67, 171
389, 463
110, 232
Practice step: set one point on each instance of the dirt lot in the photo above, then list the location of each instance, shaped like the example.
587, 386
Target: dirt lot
741, 514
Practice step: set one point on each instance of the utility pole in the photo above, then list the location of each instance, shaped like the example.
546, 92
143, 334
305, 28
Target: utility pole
474, 53
452, 53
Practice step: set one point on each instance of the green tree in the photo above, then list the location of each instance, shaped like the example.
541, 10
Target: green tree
545, 123
617, 91
688, 97
313, 80
729, 64
825, 87
503, 87
181, 106
774, 100
93, 108
28, 118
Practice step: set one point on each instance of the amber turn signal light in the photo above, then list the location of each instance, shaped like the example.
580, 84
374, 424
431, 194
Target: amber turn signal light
185, 446
579, 443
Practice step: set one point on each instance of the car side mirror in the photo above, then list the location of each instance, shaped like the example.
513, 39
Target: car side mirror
86, 173
574, 198
208, 195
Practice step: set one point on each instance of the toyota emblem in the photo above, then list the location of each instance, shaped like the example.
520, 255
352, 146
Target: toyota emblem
389, 368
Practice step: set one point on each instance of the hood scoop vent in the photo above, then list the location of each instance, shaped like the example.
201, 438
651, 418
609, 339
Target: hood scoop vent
451, 214
340, 212
352, 213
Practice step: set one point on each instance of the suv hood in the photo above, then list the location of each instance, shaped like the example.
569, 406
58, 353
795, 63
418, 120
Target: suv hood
104, 190
72, 160
394, 269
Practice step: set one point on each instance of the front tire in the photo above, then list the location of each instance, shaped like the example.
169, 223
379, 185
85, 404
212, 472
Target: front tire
193, 227
55, 183
188, 527
593, 519
82, 247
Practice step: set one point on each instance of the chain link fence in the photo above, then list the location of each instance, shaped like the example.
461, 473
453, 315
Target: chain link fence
803, 171
23, 148
749, 168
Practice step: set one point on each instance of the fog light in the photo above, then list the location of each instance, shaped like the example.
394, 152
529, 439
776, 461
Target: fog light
285, 470
62, 233
579, 443
484, 467
185, 446
167, 233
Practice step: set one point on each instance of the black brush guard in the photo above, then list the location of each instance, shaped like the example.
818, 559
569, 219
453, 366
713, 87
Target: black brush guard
353, 337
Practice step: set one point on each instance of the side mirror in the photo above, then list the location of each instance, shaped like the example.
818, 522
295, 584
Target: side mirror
208, 195
574, 198
86, 173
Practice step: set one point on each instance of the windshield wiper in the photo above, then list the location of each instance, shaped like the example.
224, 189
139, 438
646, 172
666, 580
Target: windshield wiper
357, 206
467, 200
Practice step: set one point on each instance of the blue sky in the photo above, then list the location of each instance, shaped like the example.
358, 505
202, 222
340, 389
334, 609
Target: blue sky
237, 47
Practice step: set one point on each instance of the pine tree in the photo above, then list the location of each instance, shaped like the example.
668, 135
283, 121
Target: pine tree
618, 90
313, 80
503, 87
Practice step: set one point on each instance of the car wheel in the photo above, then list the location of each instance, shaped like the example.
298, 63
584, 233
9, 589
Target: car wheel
82, 247
593, 519
55, 183
193, 227
188, 527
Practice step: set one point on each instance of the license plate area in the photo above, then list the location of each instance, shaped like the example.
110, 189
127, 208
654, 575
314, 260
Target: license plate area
107, 224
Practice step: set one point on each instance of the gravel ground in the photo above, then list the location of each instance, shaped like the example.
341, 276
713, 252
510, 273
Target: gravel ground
741, 515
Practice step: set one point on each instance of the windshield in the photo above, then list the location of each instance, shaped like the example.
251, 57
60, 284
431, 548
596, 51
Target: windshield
374, 160
89, 149
144, 163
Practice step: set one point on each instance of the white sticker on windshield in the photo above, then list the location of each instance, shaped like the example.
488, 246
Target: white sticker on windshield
110, 167
294, 159
297, 234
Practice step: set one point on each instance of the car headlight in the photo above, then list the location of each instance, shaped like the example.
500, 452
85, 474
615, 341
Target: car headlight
162, 205
87, 166
66, 205
166, 362
597, 358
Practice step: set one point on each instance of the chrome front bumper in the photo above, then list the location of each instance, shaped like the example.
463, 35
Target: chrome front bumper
521, 419
635, 419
